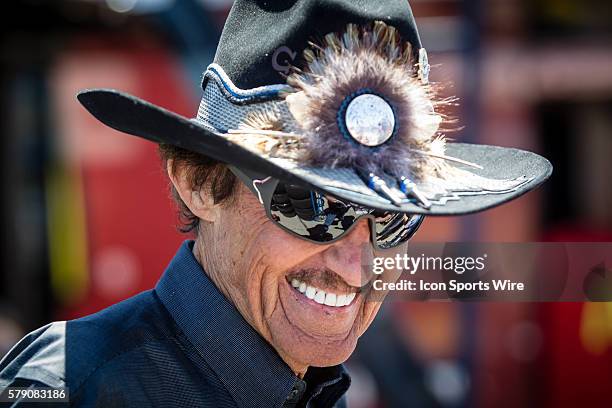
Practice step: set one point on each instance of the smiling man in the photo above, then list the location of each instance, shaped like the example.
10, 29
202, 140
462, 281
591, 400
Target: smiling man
307, 300
317, 143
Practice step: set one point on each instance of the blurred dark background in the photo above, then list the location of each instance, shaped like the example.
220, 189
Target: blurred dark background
87, 222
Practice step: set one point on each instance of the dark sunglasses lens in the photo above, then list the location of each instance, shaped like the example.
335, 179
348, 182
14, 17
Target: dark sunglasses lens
311, 215
393, 229
323, 218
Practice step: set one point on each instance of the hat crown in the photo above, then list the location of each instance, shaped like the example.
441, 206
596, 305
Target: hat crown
262, 39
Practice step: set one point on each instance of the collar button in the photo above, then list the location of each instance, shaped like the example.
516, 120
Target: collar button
296, 392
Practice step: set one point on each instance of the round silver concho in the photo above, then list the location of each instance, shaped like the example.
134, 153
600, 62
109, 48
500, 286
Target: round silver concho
369, 120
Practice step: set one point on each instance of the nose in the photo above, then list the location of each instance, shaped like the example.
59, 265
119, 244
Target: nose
347, 256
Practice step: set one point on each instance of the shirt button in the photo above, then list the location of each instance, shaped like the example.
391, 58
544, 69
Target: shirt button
296, 392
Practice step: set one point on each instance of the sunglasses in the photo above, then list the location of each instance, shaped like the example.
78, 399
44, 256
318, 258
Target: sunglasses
323, 218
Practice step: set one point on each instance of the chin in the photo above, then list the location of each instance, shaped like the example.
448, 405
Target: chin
334, 357
320, 353
313, 348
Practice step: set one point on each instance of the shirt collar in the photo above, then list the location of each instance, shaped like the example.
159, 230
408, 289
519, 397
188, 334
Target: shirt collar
219, 333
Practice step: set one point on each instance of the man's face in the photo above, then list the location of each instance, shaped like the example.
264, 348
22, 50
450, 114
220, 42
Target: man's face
310, 301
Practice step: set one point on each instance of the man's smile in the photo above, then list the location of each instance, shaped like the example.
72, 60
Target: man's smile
321, 296
323, 286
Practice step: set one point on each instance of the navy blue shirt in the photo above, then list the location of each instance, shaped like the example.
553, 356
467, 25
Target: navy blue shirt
181, 344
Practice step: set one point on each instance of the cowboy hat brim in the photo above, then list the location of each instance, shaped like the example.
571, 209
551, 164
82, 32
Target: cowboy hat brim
135, 116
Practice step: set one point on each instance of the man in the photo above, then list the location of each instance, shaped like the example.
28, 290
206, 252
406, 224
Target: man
305, 157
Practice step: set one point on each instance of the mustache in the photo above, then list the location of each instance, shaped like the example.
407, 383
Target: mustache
323, 276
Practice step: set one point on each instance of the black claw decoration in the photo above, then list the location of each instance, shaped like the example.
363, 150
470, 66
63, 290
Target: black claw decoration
409, 188
380, 186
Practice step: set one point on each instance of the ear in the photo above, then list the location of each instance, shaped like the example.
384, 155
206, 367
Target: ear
199, 203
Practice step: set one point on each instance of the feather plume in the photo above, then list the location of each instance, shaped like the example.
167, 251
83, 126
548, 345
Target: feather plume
262, 132
372, 58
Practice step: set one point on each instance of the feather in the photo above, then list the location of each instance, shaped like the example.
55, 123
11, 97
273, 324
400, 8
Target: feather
373, 58
450, 158
261, 132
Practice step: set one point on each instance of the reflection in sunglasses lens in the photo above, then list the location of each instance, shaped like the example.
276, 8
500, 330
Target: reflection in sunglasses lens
323, 218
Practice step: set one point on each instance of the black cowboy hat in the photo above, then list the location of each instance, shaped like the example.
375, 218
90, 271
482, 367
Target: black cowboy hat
334, 95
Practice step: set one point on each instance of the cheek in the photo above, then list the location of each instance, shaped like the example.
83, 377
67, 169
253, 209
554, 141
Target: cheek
374, 301
369, 312
267, 252
262, 243
258, 248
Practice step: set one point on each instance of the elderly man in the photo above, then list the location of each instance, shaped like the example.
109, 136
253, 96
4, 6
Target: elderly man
318, 141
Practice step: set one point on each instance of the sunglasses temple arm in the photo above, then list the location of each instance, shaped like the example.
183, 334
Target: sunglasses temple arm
260, 185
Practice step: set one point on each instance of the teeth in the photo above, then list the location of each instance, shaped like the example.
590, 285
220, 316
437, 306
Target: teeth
310, 292
330, 299
322, 297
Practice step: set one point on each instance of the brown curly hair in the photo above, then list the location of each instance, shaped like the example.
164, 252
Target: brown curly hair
200, 171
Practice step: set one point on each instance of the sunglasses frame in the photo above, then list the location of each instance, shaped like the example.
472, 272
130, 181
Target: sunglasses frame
263, 187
